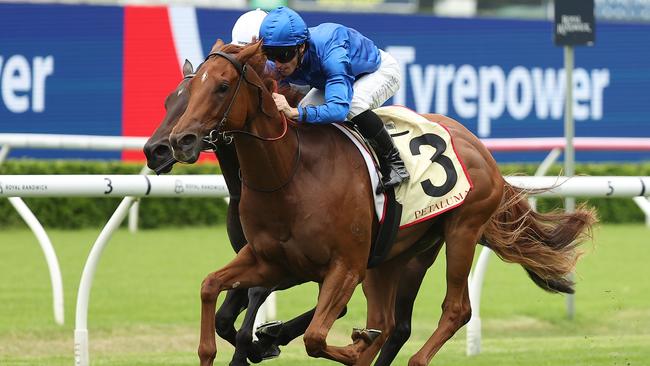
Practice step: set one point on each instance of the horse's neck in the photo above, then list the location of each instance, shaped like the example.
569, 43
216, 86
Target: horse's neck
267, 164
229, 165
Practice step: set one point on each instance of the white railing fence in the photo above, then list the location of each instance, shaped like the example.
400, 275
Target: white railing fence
211, 186
131, 187
9, 141
635, 187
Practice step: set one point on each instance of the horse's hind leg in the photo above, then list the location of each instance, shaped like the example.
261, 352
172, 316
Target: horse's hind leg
456, 310
407, 291
244, 271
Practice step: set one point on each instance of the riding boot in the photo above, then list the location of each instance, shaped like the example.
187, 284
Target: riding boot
391, 164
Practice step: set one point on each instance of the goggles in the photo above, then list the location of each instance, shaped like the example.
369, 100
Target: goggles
280, 54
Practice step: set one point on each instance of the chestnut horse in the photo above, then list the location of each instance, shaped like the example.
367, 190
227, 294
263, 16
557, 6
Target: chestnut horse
160, 159
307, 211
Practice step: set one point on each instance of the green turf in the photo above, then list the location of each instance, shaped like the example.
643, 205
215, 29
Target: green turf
144, 304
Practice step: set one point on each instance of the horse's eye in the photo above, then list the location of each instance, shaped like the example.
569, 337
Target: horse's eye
222, 88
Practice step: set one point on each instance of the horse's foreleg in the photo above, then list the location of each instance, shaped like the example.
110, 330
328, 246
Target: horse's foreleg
224, 321
236, 299
244, 271
297, 326
233, 225
335, 292
380, 289
407, 291
456, 309
256, 297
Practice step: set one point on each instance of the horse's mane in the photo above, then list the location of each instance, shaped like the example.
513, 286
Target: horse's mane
257, 61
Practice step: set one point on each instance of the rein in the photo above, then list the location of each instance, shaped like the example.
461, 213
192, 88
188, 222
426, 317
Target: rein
293, 173
217, 135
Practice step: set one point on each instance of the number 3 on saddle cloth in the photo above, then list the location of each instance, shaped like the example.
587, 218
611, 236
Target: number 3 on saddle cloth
439, 181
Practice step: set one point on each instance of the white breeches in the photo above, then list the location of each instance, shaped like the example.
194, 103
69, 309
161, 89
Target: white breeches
370, 91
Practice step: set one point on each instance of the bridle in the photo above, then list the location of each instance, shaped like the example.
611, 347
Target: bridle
217, 135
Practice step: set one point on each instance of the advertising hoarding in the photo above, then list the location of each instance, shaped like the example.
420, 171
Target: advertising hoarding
107, 70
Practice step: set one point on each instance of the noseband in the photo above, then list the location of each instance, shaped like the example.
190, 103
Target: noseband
217, 135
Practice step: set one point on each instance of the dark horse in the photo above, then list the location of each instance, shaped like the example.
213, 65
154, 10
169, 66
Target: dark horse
160, 159
307, 211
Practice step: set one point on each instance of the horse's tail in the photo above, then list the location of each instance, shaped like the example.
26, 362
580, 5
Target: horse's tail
545, 244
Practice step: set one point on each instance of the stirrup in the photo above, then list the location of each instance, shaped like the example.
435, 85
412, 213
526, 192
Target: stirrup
396, 175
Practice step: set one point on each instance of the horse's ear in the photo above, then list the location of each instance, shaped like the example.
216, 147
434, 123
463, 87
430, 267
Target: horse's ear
268, 105
187, 68
217, 45
249, 51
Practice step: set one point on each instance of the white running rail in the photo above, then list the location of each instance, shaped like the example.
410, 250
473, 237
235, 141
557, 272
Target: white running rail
127, 186
10, 141
636, 187
98, 143
71, 142
131, 186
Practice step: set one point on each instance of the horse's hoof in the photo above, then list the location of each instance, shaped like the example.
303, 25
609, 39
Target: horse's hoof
356, 333
366, 335
269, 331
257, 355
272, 352
371, 335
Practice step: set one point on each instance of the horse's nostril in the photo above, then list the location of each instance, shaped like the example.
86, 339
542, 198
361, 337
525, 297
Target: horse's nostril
162, 151
187, 141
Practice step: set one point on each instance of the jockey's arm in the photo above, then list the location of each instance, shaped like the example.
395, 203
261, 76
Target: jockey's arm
338, 90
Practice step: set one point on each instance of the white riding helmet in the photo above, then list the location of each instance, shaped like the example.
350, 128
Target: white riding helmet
247, 27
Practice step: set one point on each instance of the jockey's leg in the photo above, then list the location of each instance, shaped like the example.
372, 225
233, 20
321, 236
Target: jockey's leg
392, 166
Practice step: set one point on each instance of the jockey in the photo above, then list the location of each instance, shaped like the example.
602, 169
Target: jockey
247, 27
348, 74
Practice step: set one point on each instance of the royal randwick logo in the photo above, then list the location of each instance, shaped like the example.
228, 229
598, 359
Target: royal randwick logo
178, 186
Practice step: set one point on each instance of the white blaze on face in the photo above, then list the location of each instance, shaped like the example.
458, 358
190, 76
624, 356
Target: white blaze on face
204, 76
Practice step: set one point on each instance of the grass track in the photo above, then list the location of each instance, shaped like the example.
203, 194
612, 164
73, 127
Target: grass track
144, 305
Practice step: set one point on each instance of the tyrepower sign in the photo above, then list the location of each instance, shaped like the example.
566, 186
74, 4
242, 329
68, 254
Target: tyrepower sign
574, 22
69, 69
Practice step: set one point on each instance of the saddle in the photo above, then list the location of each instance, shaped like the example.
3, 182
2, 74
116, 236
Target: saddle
439, 181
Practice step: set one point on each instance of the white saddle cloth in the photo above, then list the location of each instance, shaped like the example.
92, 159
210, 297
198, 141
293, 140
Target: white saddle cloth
439, 180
